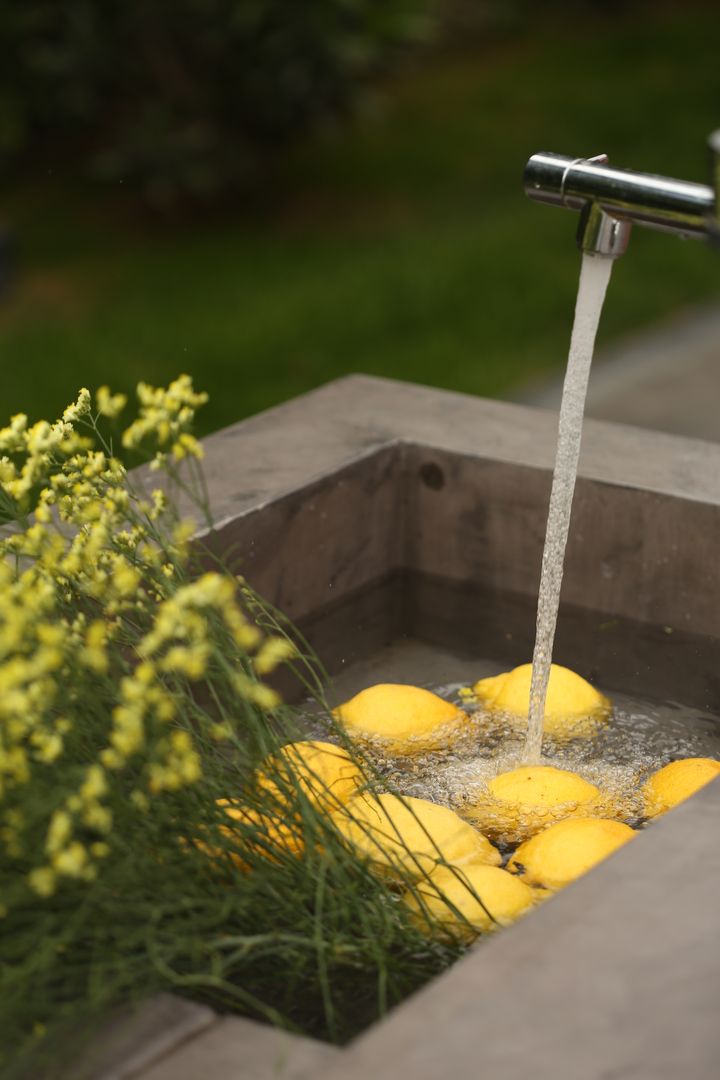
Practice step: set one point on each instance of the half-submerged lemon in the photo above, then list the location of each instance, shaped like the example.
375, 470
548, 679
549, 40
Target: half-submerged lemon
251, 832
676, 782
468, 901
572, 707
401, 719
568, 849
323, 772
410, 836
519, 803
266, 833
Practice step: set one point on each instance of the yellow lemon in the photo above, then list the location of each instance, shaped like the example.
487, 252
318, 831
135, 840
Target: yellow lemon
266, 834
470, 900
325, 773
541, 786
676, 782
526, 800
405, 719
572, 705
269, 831
564, 851
410, 836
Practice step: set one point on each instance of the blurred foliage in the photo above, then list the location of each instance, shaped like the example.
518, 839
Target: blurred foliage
401, 244
468, 20
183, 97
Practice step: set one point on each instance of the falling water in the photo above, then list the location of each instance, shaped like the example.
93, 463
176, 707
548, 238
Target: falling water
594, 277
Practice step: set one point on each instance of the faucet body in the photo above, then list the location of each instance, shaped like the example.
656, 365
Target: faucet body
612, 200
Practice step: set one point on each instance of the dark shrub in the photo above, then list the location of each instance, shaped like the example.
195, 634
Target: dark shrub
182, 97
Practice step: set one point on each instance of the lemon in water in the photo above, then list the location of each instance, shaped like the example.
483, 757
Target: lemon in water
676, 782
572, 707
521, 802
410, 836
325, 773
400, 718
564, 851
474, 899
271, 832
254, 832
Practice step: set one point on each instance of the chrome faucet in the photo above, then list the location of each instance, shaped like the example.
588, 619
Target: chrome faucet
611, 200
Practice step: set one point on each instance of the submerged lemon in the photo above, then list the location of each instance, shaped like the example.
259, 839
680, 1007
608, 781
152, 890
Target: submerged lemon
405, 719
474, 899
676, 782
572, 705
519, 803
264, 834
325, 773
568, 849
410, 836
541, 786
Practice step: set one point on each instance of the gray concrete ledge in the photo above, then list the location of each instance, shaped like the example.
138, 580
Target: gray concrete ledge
237, 1049
132, 1039
278, 450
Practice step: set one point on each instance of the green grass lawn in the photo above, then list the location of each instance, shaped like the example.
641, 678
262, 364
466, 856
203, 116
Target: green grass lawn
403, 246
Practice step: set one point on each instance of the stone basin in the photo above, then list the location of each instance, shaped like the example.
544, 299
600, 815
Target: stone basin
401, 528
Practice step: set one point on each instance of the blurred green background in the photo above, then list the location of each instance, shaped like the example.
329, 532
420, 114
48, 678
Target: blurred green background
338, 190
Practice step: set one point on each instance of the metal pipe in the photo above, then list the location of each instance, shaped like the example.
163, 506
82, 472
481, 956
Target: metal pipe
714, 147
600, 234
611, 200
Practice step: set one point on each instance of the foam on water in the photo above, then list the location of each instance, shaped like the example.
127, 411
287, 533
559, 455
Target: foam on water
638, 738
594, 279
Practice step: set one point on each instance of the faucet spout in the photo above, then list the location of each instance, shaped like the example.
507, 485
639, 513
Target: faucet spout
601, 234
611, 200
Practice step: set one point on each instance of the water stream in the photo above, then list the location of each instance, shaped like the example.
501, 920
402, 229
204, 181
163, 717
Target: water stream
594, 278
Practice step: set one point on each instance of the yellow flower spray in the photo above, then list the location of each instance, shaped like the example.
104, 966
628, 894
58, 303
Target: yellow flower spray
99, 612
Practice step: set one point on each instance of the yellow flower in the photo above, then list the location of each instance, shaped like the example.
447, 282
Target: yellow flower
92, 585
125, 579
94, 654
59, 831
140, 800
50, 633
181, 535
98, 817
79, 408
180, 764
187, 446
110, 405
128, 734
11, 437
261, 695
159, 503
42, 881
95, 783
50, 746
71, 862
187, 661
166, 415
273, 652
